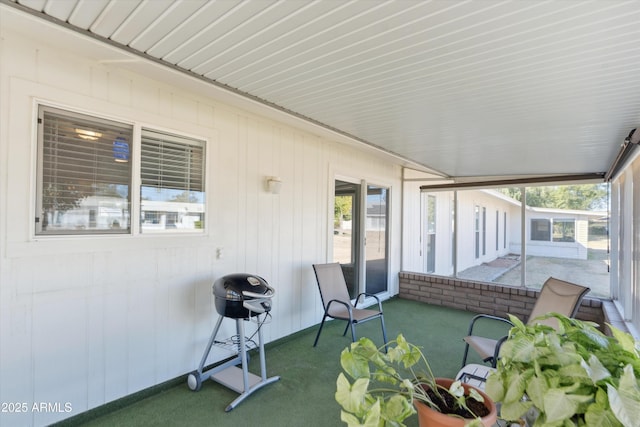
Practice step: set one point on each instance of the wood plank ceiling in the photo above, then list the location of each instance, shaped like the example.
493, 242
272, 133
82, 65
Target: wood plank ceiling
465, 88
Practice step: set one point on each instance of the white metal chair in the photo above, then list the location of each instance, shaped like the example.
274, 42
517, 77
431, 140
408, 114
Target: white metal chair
556, 296
337, 302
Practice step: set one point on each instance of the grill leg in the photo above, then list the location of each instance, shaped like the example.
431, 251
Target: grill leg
262, 380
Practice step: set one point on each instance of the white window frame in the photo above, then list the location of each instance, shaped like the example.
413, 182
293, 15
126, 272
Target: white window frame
135, 201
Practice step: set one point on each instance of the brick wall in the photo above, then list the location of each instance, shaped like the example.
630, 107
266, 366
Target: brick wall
481, 297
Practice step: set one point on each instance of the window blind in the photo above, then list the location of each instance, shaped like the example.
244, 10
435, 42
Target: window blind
171, 161
83, 162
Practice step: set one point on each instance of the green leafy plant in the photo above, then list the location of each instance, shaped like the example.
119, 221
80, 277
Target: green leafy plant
386, 384
570, 376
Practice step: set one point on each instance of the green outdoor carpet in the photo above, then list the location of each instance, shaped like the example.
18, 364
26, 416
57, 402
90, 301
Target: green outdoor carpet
304, 396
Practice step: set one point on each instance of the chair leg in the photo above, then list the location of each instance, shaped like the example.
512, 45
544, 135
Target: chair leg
346, 328
319, 330
384, 333
466, 352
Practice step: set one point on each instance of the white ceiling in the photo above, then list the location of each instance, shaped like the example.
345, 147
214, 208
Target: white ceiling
465, 88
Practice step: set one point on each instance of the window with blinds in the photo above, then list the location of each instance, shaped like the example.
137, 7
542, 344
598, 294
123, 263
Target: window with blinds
84, 174
172, 174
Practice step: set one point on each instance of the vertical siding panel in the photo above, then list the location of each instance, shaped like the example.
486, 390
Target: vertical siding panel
241, 207
285, 297
252, 206
264, 236
59, 321
115, 327
310, 231
95, 347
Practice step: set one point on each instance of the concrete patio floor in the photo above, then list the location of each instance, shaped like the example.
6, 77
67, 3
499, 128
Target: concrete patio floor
592, 272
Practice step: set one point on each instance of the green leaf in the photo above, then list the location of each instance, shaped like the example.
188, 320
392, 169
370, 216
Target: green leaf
597, 415
625, 340
518, 349
456, 389
595, 369
517, 323
558, 405
475, 395
351, 397
396, 409
371, 418
625, 401
513, 411
493, 387
516, 386
537, 388
574, 373
355, 366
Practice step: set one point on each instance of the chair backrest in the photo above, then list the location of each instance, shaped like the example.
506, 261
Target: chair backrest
557, 296
331, 283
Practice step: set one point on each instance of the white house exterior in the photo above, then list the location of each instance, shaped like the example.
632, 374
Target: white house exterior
87, 319
489, 226
574, 246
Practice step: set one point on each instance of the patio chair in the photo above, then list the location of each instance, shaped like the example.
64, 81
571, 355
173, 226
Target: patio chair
337, 303
555, 296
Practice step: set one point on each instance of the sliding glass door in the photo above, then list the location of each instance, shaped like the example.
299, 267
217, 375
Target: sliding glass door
360, 235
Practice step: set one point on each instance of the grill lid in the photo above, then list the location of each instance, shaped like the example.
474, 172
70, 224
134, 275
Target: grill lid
242, 295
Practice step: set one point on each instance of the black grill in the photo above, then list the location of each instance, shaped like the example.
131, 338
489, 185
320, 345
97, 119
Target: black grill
241, 296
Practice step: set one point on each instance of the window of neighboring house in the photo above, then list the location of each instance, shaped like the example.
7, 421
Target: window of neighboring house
504, 231
556, 230
484, 231
477, 229
564, 230
84, 174
541, 229
172, 183
497, 231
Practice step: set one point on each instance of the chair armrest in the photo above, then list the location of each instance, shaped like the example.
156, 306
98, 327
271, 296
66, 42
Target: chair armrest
498, 345
487, 317
369, 295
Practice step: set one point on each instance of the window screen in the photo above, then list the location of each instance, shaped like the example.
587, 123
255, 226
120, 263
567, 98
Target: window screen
172, 182
541, 230
84, 174
564, 230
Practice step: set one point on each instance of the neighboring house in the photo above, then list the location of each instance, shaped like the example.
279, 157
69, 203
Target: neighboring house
489, 225
557, 233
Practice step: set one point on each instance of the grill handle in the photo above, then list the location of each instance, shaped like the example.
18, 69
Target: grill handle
269, 294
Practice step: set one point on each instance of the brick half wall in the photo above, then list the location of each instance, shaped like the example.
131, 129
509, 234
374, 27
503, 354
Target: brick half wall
481, 297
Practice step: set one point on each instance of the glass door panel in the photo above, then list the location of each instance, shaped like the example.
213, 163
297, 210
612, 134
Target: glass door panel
346, 232
376, 231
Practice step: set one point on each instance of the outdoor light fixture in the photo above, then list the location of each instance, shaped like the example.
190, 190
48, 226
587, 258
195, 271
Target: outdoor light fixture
274, 184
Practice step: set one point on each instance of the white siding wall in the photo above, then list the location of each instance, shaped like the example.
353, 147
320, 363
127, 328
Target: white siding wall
86, 320
413, 257
467, 201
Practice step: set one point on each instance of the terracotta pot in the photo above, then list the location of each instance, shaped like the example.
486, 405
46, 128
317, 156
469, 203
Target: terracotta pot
428, 417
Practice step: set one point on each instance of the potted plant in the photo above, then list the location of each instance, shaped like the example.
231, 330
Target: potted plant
570, 376
392, 382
